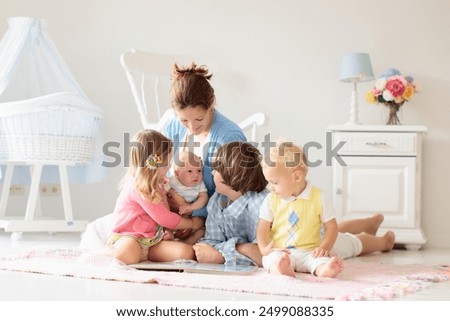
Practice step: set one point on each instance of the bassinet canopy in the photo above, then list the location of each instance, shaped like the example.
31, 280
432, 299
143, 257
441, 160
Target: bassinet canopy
44, 114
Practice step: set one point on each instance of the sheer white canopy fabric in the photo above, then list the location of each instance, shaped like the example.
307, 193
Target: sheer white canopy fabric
30, 64
35, 78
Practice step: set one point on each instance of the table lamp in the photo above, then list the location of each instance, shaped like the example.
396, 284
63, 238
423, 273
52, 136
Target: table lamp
355, 67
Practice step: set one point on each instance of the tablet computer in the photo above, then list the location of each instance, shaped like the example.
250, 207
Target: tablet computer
195, 267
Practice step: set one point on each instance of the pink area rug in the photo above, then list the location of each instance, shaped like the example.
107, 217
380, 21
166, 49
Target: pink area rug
359, 281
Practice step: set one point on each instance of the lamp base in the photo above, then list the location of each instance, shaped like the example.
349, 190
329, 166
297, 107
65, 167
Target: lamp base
353, 107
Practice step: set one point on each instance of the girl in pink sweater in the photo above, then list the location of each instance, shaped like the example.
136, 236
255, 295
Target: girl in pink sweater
142, 211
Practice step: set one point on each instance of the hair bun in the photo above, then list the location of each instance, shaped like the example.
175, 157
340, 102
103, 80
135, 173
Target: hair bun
193, 69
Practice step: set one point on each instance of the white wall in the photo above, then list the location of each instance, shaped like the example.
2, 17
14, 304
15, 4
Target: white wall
279, 57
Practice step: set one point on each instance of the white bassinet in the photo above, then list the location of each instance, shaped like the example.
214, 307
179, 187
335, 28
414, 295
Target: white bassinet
45, 120
56, 127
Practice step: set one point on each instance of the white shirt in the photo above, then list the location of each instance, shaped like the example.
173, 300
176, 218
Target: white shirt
189, 193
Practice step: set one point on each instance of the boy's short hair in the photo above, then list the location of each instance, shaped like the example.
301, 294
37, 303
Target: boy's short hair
239, 163
289, 155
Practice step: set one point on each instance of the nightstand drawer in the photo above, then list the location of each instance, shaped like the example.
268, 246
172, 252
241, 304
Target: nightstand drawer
374, 143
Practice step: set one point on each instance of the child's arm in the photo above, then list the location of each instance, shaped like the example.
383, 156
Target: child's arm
179, 200
177, 197
200, 202
329, 238
193, 223
164, 217
265, 244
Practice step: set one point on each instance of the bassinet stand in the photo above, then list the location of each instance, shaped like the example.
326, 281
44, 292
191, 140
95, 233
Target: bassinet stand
32, 222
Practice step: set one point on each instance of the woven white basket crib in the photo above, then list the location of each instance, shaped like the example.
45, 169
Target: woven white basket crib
57, 127
44, 148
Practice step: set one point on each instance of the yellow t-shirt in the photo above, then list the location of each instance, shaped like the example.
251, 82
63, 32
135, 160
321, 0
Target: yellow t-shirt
297, 223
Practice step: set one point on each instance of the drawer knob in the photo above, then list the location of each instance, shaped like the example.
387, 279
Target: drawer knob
376, 144
338, 191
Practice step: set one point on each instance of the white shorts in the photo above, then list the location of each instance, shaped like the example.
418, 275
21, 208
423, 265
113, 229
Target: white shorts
347, 245
301, 260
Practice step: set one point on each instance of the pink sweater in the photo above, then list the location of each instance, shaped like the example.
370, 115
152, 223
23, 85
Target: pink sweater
135, 216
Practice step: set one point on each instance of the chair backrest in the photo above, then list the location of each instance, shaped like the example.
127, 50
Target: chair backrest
149, 77
250, 124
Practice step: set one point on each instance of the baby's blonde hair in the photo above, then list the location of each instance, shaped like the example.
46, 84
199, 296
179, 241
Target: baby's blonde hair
187, 157
149, 150
289, 155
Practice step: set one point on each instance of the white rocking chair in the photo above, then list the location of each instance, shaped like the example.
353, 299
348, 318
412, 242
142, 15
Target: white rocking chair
149, 77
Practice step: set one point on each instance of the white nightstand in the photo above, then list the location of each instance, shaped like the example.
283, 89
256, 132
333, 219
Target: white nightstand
379, 170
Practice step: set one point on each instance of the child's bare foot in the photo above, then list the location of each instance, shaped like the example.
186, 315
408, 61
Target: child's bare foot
251, 251
330, 269
389, 237
205, 253
283, 266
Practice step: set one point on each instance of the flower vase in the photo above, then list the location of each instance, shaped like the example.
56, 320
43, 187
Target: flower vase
393, 110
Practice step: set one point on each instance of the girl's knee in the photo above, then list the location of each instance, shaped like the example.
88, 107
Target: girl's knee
127, 250
126, 257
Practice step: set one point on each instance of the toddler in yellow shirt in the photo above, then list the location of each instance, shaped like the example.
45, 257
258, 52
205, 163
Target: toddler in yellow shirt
291, 217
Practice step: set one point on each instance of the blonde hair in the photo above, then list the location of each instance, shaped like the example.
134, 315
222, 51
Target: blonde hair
187, 157
149, 144
191, 87
289, 155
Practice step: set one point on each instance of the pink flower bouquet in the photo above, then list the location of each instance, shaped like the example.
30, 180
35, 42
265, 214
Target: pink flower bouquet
393, 90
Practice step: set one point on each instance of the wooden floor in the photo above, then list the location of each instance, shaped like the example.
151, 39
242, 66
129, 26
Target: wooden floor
23, 286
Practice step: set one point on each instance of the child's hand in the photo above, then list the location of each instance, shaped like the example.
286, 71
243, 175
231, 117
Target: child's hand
185, 209
319, 252
269, 248
168, 235
197, 222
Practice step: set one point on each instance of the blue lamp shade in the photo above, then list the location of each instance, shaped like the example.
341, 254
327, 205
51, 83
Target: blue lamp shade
356, 67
